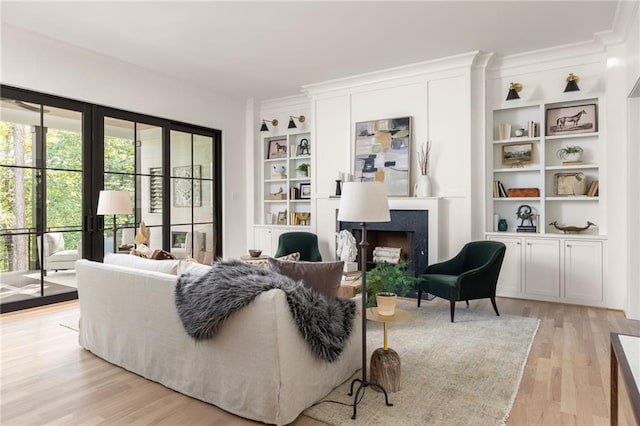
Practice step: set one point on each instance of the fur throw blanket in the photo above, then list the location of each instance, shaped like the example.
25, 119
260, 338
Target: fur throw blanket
205, 302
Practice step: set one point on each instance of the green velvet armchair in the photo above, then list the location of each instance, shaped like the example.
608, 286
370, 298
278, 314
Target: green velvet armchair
471, 274
305, 243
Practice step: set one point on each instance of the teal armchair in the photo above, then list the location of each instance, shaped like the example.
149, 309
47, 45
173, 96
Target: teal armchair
305, 243
471, 274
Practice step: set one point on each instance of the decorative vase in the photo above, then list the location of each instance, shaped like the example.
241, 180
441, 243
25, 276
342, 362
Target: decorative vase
386, 303
422, 188
502, 225
573, 156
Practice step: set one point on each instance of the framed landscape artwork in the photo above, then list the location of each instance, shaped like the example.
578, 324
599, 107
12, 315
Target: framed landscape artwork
182, 193
382, 153
572, 120
515, 154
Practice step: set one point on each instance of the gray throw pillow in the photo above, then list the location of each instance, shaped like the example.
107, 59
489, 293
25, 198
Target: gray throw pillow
323, 277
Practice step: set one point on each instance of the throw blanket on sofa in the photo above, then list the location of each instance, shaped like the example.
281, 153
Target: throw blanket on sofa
204, 302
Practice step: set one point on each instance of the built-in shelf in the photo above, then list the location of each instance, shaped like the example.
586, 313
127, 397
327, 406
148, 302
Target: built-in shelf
572, 198
517, 199
573, 167
517, 170
578, 136
516, 140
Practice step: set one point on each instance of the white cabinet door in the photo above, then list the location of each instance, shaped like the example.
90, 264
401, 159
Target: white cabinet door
542, 267
262, 239
583, 273
510, 279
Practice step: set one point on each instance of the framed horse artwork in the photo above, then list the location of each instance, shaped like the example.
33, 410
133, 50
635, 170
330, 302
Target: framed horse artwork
277, 149
571, 120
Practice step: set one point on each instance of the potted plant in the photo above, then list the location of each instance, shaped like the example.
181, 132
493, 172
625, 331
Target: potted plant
570, 153
304, 169
387, 281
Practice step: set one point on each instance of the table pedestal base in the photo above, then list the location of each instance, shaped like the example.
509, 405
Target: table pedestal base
385, 369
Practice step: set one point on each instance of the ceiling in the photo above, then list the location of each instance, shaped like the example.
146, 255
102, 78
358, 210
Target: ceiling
265, 49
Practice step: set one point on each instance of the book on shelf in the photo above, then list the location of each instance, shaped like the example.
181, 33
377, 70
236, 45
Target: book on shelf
533, 129
572, 163
502, 192
504, 131
526, 229
593, 189
294, 193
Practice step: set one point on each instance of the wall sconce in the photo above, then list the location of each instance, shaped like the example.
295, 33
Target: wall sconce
572, 83
514, 88
292, 125
264, 127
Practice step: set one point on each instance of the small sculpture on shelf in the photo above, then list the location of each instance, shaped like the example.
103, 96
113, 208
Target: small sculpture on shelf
572, 229
303, 147
278, 172
525, 214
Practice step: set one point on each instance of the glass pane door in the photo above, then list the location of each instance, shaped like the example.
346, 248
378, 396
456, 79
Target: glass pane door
41, 184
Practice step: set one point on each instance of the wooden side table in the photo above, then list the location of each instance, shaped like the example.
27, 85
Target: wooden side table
625, 354
250, 259
349, 288
384, 368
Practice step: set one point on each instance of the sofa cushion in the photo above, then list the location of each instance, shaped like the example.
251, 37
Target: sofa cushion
324, 277
64, 256
192, 267
136, 262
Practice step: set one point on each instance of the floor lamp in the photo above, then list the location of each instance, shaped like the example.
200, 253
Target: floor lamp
364, 202
114, 202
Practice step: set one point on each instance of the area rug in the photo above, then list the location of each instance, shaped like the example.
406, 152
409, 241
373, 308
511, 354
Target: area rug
465, 373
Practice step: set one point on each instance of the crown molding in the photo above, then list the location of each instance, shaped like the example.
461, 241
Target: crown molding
406, 71
625, 13
286, 103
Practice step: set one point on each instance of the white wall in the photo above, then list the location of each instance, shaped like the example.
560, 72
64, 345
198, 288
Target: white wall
33, 62
436, 95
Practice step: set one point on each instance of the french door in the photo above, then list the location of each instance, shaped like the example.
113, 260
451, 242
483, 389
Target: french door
43, 147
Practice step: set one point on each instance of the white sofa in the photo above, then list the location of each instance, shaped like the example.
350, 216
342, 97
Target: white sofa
257, 366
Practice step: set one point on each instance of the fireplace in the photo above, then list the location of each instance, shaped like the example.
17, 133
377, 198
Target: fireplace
408, 229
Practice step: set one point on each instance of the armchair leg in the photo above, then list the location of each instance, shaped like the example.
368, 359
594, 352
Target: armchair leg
419, 297
495, 307
467, 302
453, 308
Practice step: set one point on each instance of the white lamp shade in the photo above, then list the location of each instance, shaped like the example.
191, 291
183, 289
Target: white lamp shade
114, 202
364, 202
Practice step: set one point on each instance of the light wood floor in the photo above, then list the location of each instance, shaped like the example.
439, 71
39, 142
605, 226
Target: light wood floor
48, 379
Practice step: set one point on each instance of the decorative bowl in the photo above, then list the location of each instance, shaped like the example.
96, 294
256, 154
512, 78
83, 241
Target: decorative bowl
255, 253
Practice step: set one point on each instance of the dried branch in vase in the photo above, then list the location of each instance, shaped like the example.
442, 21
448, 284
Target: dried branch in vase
423, 158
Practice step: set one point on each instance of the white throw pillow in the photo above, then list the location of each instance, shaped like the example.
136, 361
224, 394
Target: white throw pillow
54, 241
166, 266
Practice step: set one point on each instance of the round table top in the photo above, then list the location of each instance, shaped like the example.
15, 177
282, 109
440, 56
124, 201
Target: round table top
247, 257
400, 315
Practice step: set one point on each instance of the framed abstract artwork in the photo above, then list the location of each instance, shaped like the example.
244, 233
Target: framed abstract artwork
382, 153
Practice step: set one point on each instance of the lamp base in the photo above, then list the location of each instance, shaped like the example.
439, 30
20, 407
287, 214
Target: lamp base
361, 387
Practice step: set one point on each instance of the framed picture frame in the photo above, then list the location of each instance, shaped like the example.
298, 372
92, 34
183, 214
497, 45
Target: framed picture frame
277, 149
282, 218
303, 147
572, 120
566, 184
178, 239
383, 153
305, 191
187, 186
515, 154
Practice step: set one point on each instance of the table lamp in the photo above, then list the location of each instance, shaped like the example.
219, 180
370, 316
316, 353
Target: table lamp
364, 202
114, 202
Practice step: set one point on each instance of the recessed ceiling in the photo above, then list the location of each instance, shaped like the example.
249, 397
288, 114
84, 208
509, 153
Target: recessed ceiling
266, 49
